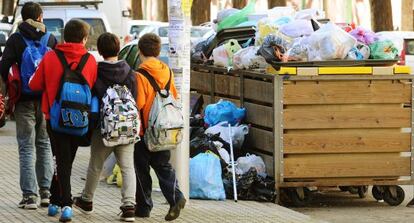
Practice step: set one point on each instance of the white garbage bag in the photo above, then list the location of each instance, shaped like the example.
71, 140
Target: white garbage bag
247, 58
297, 28
251, 161
238, 133
330, 42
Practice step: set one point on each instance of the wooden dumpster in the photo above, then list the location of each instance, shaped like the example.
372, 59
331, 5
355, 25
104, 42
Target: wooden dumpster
324, 126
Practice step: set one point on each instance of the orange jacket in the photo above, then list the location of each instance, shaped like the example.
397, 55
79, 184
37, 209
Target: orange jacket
146, 94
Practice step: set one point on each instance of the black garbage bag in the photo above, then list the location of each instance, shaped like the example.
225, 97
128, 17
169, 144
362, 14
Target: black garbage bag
273, 49
198, 52
250, 186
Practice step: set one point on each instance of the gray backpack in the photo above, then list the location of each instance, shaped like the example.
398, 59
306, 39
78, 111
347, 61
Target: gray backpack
165, 122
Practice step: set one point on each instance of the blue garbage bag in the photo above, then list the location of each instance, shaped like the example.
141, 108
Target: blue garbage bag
205, 177
223, 111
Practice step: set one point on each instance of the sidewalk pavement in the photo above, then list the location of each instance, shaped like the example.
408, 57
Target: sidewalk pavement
108, 198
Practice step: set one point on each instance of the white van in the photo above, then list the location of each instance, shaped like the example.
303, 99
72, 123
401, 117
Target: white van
57, 14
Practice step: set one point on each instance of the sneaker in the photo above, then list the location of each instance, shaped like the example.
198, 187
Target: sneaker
44, 198
128, 213
85, 207
28, 203
411, 204
175, 210
66, 215
141, 214
52, 210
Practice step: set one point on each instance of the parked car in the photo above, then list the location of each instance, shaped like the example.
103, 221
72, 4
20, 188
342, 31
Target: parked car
129, 53
197, 32
135, 27
57, 14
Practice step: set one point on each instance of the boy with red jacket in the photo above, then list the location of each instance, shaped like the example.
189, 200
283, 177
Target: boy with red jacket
47, 79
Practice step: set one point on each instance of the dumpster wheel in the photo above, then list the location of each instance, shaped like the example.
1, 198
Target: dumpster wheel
300, 196
378, 193
394, 195
362, 191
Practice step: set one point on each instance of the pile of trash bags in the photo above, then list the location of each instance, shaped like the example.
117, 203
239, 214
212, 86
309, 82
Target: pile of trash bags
215, 136
284, 35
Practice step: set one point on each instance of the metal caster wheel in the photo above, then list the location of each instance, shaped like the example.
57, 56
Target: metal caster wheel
378, 193
394, 195
299, 196
362, 191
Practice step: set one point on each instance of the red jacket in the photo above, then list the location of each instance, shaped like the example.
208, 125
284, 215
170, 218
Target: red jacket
49, 72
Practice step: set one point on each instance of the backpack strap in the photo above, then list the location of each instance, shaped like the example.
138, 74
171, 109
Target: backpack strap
26, 41
83, 62
44, 41
154, 83
62, 58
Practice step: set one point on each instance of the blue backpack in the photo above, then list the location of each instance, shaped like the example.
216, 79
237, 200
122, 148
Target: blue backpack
69, 113
31, 57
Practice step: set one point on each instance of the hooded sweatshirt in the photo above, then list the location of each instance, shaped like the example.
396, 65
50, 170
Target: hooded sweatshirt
146, 93
15, 47
49, 73
111, 73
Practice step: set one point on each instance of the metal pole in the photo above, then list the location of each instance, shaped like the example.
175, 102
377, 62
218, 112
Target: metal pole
179, 16
233, 168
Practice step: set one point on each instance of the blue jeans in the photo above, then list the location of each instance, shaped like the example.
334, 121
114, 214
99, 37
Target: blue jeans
31, 132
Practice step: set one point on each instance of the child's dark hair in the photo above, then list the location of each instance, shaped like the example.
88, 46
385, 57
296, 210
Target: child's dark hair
150, 45
75, 31
31, 10
108, 45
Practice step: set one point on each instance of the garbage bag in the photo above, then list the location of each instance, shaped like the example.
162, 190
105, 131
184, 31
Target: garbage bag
247, 58
223, 111
359, 52
278, 12
384, 50
297, 28
205, 177
364, 36
309, 14
223, 55
238, 133
299, 50
226, 13
250, 186
251, 161
273, 49
238, 17
330, 42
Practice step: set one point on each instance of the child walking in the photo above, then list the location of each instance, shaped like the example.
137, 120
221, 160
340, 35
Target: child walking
71, 61
112, 72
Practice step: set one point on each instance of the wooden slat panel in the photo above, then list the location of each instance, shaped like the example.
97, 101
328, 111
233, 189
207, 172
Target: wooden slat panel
346, 165
259, 115
358, 142
347, 92
260, 139
227, 85
358, 116
200, 81
258, 90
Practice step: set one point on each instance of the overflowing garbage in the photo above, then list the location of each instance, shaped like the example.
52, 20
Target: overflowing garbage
283, 35
220, 166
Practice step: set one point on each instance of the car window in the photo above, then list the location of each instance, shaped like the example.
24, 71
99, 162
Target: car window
137, 29
133, 53
163, 31
198, 33
54, 26
164, 53
97, 28
123, 53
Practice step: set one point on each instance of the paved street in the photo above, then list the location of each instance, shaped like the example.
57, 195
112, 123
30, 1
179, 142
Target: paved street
107, 199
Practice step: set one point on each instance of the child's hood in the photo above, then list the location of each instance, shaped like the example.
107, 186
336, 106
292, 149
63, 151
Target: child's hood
115, 73
158, 70
72, 51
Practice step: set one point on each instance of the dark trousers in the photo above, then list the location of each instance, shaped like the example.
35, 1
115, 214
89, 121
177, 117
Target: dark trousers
159, 161
64, 149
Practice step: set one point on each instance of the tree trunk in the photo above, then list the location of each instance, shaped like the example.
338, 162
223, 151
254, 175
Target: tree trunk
239, 4
137, 13
7, 7
407, 18
275, 3
381, 15
200, 12
162, 10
